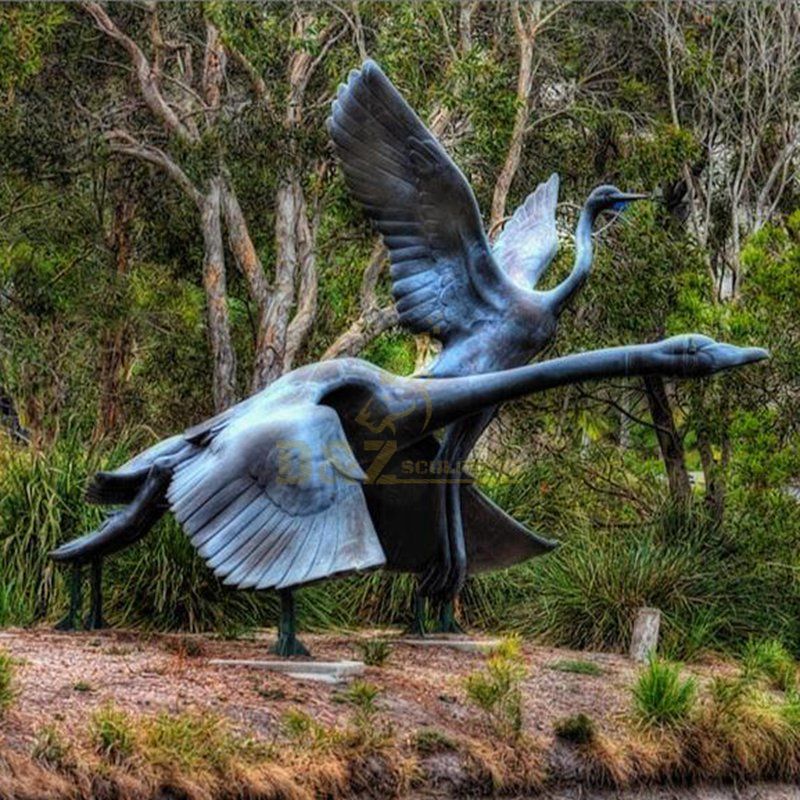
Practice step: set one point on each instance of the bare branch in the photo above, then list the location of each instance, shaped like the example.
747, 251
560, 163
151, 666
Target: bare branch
147, 77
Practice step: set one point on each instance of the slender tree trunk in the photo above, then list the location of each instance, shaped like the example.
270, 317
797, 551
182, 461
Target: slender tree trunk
224, 368
511, 164
713, 472
306, 311
116, 341
669, 439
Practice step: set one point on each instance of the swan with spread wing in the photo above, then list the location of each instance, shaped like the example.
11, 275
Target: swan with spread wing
299, 482
479, 302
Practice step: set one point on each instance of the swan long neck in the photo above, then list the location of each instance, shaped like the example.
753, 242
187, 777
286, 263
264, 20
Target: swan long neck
450, 399
566, 290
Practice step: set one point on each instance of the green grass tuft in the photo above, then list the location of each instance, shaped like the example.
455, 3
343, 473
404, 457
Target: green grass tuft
375, 652
578, 667
771, 661
113, 734
661, 698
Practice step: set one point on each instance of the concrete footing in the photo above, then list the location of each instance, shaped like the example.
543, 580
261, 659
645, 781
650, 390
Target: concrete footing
321, 671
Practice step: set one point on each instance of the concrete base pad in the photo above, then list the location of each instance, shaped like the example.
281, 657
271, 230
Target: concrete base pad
322, 671
466, 645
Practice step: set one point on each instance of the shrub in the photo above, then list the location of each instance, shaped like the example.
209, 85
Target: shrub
375, 652
82, 686
770, 660
7, 690
578, 729
113, 734
496, 690
661, 697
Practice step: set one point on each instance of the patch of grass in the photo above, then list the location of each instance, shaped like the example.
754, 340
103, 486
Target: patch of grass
82, 686
578, 729
429, 741
771, 661
360, 694
375, 652
50, 747
7, 678
578, 667
661, 698
113, 734
496, 690
194, 742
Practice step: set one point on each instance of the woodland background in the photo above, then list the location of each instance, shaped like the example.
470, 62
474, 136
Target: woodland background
174, 234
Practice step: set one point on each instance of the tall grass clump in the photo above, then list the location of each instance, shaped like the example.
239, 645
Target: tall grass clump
661, 698
771, 661
113, 733
41, 505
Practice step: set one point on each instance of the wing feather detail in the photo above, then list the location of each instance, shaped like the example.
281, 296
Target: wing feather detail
529, 240
276, 503
422, 205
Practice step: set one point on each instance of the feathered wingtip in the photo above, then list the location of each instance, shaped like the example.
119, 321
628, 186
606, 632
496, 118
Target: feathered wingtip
112, 488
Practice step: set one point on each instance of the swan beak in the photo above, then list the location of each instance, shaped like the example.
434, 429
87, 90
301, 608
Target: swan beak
629, 197
727, 356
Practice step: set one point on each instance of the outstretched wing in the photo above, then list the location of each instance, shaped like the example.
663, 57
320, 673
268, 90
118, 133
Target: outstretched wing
529, 241
277, 502
445, 280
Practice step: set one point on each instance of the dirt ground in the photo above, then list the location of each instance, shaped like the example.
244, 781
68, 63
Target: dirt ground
62, 678
66, 676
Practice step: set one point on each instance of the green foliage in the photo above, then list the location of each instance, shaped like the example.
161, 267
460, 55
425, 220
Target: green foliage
661, 698
578, 729
497, 689
769, 659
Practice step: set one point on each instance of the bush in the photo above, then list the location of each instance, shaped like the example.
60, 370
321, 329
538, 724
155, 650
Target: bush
578, 729
660, 697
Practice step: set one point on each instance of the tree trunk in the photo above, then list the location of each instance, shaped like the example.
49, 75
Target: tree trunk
306, 312
269, 360
511, 164
249, 264
116, 342
222, 352
669, 439
714, 496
